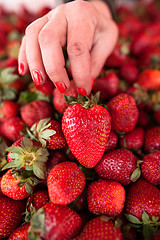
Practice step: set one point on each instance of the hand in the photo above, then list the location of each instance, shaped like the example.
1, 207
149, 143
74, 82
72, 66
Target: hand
88, 32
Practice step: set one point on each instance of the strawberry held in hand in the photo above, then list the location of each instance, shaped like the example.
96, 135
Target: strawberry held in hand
86, 127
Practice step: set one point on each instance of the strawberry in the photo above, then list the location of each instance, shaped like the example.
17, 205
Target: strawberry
55, 157
100, 228
149, 79
150, 167
152, 139
142, 196
140, 43
14, 186
35, 111
117, 165
143, 119
36, 200
150, 58
46, 88
49, 133
3, 156
13, 129
129, 72
65, 183
29, 155
124, 112
86, 127
58, 100
107, 85
106, 197
156, 116
1, 194
10, 215
67, 223
20, 233
133, 140
8, 109
112, 142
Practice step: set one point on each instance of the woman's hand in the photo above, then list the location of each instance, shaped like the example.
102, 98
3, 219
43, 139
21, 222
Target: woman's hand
88, 32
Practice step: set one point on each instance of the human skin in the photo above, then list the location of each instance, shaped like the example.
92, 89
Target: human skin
89, 34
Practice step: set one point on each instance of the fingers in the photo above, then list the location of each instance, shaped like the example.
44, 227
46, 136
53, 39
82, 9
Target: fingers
103, 47
22, 60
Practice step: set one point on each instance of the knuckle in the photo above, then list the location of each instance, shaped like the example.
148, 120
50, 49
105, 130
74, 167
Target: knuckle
76, 49
44, 37
51, 72
30, 30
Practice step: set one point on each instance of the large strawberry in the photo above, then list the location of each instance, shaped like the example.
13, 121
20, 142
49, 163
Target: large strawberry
35, 111
106, 197
124, 112
150, 167
20, 233
149, 79
100, 228
54, 221
117, 165
65, 183
8, 109
11, 215
86, 127
49, 133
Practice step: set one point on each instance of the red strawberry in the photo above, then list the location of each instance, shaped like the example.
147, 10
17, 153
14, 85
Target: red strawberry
11, 215
152, 139
117, 165
150, 167
58, 100
133, 140
86, 128
156, 115
11, 188
67, 223
46, 88
1, 194
3, 156
106, 197
100, 228
112, 142
36, 110
119, 55
20, 233
149, 79
140, 43
142, 196
65, 183
150, 58
55, 157
143, 119
8, 109
49, 133
124, 112
37, 199
13, 129
129, 72
107, 85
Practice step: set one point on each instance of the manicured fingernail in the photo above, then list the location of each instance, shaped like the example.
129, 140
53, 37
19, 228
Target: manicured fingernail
61, 87
37, 77
82, 91
21, 69
93, 80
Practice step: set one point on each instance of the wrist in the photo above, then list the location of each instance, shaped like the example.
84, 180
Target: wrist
102, 8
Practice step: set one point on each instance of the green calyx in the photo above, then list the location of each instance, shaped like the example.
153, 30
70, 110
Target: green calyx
29, 157
37, 225
3, 159
84, 101
147, 225
40, 131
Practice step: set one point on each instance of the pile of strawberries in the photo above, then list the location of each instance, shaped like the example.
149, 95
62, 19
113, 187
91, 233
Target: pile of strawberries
76, 167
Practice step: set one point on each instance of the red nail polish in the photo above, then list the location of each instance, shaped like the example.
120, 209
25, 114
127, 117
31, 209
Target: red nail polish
21, 69
93, 80
37, 77
61, 87
82, 91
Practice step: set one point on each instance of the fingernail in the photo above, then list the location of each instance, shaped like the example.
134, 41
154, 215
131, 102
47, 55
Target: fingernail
82, 91
93, 80
21, 69
37, 77
61, 87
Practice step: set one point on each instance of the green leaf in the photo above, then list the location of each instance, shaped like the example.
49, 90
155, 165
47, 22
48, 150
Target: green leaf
148, 232
69, 100
8, 75
12, 164
27, 144
15, 149
145, 218
42, 152
28, 188
135, 174
133, 219
155, 219
37, 224
27, 97
38, 171
43, 124
46, 134
29, 168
